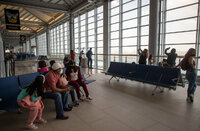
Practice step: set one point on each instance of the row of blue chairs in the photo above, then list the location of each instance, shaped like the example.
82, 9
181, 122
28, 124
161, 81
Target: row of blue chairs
157, 75
25, 56
11, 86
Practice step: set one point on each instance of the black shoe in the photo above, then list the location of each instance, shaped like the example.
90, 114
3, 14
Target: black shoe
62, 117
191, 97
67, 109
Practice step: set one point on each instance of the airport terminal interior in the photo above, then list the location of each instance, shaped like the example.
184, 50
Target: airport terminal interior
126, 95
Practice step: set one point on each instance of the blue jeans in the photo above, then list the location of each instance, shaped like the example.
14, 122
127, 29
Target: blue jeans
60, 99
191, 77
89, 62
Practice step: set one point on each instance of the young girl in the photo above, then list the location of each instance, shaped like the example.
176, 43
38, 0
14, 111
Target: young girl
42, 66
30, 98
75, 79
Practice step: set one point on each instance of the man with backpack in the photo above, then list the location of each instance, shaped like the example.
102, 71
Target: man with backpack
89, 56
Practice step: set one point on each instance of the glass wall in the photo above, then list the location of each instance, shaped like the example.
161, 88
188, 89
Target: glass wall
179, 26
88, 33
42, 44
129, 29
59, 40
33, 46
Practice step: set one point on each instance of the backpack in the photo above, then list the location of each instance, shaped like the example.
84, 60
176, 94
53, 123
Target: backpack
88, 54
183, 64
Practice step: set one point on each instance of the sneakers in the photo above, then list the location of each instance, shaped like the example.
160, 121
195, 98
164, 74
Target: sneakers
41, 120
32, 126
81, 98
89, 98
188, 99
191, 97
62, 117
67, 109
75, 103
70, 106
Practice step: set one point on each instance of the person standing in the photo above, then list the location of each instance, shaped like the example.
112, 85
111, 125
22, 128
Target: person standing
80, 57
72, 53
89, 56
171, 57
188, 64
144, 55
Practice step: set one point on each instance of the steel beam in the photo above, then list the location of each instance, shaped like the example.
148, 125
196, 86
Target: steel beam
36, 4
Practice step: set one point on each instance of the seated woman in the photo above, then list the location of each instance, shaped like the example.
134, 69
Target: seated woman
42, 66
76, 80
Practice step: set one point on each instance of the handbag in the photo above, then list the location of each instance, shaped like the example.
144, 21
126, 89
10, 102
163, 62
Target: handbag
63, 80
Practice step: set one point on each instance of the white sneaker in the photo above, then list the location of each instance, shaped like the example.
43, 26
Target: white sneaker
32, 126
41, 120
89, 98
81, 99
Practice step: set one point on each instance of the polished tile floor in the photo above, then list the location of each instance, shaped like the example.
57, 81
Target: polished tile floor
118, 106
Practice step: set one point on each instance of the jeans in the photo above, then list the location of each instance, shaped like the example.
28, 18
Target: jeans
191, 76
89, 62
60, 99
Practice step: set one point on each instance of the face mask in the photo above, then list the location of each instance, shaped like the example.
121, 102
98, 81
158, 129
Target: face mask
61, 71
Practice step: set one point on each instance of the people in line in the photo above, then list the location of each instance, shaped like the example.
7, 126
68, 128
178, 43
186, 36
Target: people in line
89, 56
58, 93
76, 80
72, 53
188, 64
80, 57
42, 66
144, 55
30, 98
171, 57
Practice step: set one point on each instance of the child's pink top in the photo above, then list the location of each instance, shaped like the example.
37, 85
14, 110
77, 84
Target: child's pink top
43, 69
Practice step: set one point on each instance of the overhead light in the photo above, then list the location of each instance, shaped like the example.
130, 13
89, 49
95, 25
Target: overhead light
63, 14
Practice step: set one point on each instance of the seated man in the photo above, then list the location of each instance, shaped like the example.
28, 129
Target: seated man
60, 95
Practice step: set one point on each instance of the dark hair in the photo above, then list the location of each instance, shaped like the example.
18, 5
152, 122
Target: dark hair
189, 53
173, 50
71, 65
42, 64
52, 62
37, 86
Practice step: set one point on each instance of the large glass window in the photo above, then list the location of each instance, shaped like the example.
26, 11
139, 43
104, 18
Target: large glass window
42, 44
88, 33
129, 29
179, 26
59, 40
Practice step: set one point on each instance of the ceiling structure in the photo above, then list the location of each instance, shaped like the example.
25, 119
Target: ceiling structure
37, 15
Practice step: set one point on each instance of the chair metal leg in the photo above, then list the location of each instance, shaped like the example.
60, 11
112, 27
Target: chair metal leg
157, 87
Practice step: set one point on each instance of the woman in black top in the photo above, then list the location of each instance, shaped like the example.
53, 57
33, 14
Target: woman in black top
143, 56
188, 64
